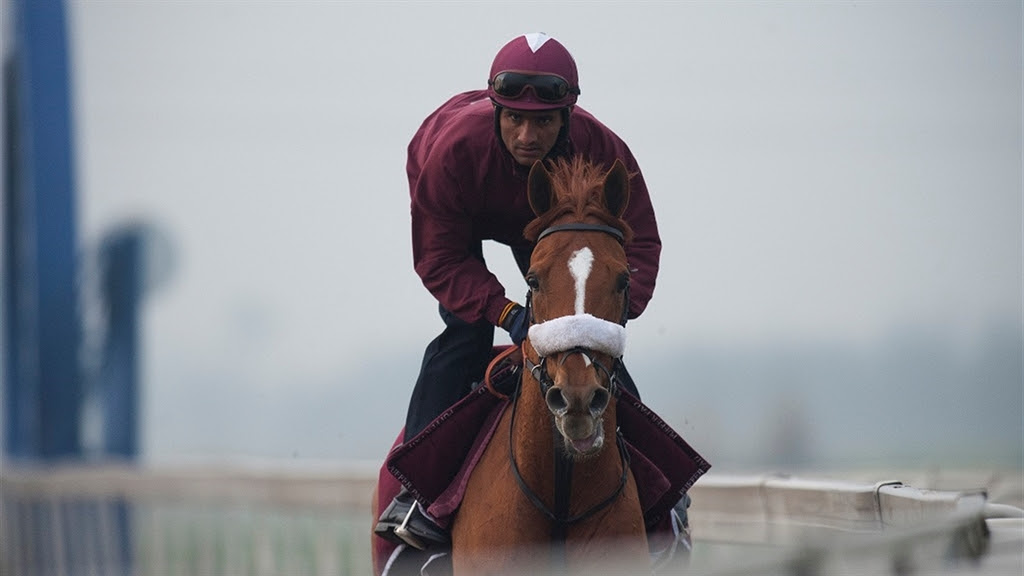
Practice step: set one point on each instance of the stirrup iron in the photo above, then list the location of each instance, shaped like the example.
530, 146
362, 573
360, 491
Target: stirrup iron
408, 537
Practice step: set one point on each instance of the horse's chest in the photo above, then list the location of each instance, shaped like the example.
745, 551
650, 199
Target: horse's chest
494, 512
497, 527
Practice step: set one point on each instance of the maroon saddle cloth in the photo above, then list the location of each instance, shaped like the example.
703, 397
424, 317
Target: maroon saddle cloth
436, 464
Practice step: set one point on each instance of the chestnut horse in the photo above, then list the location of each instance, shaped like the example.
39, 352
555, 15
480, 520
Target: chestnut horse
552, 489
556, 471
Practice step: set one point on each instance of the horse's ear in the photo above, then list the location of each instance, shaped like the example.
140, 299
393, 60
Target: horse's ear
538, 189
616, 188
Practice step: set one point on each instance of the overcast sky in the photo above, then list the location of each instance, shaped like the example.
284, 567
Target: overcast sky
823, 172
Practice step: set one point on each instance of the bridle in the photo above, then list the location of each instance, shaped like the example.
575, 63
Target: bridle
539, 370
581, 227
563, 464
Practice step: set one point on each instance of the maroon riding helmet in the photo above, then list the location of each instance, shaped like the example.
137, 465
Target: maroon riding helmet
533, 72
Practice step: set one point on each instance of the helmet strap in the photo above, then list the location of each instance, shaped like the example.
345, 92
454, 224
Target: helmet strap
561, 147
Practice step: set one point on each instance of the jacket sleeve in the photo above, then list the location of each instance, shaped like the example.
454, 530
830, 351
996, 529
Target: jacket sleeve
644, 251
446, 255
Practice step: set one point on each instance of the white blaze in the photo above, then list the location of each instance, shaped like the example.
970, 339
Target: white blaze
579, 266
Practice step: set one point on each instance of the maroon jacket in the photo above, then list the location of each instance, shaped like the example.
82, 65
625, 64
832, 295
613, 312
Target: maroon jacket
466, 188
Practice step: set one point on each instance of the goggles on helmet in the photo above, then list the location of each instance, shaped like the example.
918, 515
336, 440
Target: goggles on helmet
547, 87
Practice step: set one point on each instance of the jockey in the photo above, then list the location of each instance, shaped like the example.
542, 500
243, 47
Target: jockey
467, 167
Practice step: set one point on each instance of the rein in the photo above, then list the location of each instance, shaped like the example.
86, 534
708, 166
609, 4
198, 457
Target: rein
563, 465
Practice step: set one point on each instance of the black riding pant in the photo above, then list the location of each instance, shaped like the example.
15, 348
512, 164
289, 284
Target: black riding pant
451, 363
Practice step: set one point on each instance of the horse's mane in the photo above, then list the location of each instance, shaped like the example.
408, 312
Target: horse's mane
578, 190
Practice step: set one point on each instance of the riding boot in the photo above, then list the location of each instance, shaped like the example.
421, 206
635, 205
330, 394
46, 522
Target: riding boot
681, 510
670, 542
405, 522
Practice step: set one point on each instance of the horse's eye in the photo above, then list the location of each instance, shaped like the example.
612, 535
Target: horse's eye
532, 282
623, 282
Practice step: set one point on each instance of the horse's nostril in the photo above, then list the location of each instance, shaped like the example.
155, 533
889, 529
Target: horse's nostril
556, 401
599, 402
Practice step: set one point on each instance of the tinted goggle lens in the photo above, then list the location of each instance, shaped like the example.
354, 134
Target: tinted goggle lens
547, 88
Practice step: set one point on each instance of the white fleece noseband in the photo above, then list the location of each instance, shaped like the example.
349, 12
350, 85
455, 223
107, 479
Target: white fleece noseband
578, 331
581, 330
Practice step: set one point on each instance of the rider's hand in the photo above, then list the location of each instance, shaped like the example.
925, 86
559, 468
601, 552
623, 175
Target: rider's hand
516, 322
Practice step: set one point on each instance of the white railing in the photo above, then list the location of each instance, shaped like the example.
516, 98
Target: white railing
815, 526
268, 520
191, 522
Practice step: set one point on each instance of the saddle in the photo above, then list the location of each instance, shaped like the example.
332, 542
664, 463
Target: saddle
435, 465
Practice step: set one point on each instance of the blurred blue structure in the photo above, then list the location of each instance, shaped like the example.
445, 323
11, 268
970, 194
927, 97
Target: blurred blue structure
44, 382
43, 331
122, 271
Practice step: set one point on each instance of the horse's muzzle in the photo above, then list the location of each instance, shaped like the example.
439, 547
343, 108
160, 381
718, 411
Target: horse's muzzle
578, 409
583, 434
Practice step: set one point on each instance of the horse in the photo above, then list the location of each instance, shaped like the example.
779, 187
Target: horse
554, 486
550, 485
